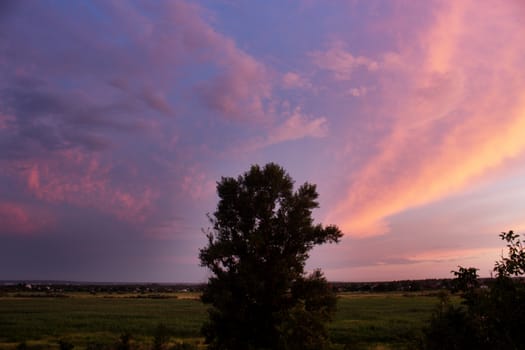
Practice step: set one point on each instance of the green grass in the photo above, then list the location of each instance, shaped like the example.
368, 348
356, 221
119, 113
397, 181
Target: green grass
363, 321
381, 321
84, 320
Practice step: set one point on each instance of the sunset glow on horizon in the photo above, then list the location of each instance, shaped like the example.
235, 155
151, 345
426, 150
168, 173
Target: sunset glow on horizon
117, 119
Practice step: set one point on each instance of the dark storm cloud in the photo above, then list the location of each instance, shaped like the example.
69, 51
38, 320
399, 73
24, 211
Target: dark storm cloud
55, 120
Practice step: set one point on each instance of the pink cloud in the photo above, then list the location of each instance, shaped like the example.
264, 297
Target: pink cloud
358, 91
456, 105
340, 62
409, 257
455, 255
33, 179
84, 180
166, 230
296, 126
16, 218
197, 185
388, 272
240, 89
174, 46
294, 80
240, 86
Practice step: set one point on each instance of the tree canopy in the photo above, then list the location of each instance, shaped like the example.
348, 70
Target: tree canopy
259, 240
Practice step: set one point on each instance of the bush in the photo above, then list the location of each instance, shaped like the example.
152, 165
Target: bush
489, 318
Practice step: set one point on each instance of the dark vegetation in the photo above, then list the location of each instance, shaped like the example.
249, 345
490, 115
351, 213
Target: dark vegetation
64, 289
259, 240
491, 315
36, 288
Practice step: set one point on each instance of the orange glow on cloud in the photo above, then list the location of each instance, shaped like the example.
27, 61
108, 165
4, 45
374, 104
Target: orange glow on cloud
458, 109
455, 254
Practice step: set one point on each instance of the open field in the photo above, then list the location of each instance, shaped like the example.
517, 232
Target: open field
381, 320
363, 321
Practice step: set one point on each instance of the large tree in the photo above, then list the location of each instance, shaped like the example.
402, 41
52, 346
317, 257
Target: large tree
258, 244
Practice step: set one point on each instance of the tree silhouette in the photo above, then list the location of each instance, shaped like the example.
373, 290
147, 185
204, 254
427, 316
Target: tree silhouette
489, 318
259, 240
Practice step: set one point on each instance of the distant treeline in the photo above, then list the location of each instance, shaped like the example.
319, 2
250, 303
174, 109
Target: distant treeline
398, 286
61, 287
148, 288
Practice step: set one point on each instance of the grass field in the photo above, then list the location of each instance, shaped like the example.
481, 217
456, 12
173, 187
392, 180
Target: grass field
363, 321
381, 321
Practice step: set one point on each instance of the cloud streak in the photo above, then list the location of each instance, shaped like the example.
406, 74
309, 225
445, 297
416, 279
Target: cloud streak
295, 127
453, 118
340, 62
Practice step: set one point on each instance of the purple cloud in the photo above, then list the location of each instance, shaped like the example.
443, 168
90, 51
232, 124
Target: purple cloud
117, 118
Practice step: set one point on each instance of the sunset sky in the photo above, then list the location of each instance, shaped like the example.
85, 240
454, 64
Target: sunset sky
118, 117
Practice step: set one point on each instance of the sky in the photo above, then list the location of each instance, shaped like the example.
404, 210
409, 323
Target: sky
117, 118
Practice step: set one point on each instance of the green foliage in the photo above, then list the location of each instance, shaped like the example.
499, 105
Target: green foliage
514, 263
449, 326
491, 317
261, 236
466, 279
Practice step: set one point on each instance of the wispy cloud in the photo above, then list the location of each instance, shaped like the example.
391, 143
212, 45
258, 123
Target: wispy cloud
340, 62
453, 117
296, 126
240, 89
454, 255
291, 80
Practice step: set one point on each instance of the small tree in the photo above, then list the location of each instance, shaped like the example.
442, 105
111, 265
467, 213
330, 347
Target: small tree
260, 238
466, 279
